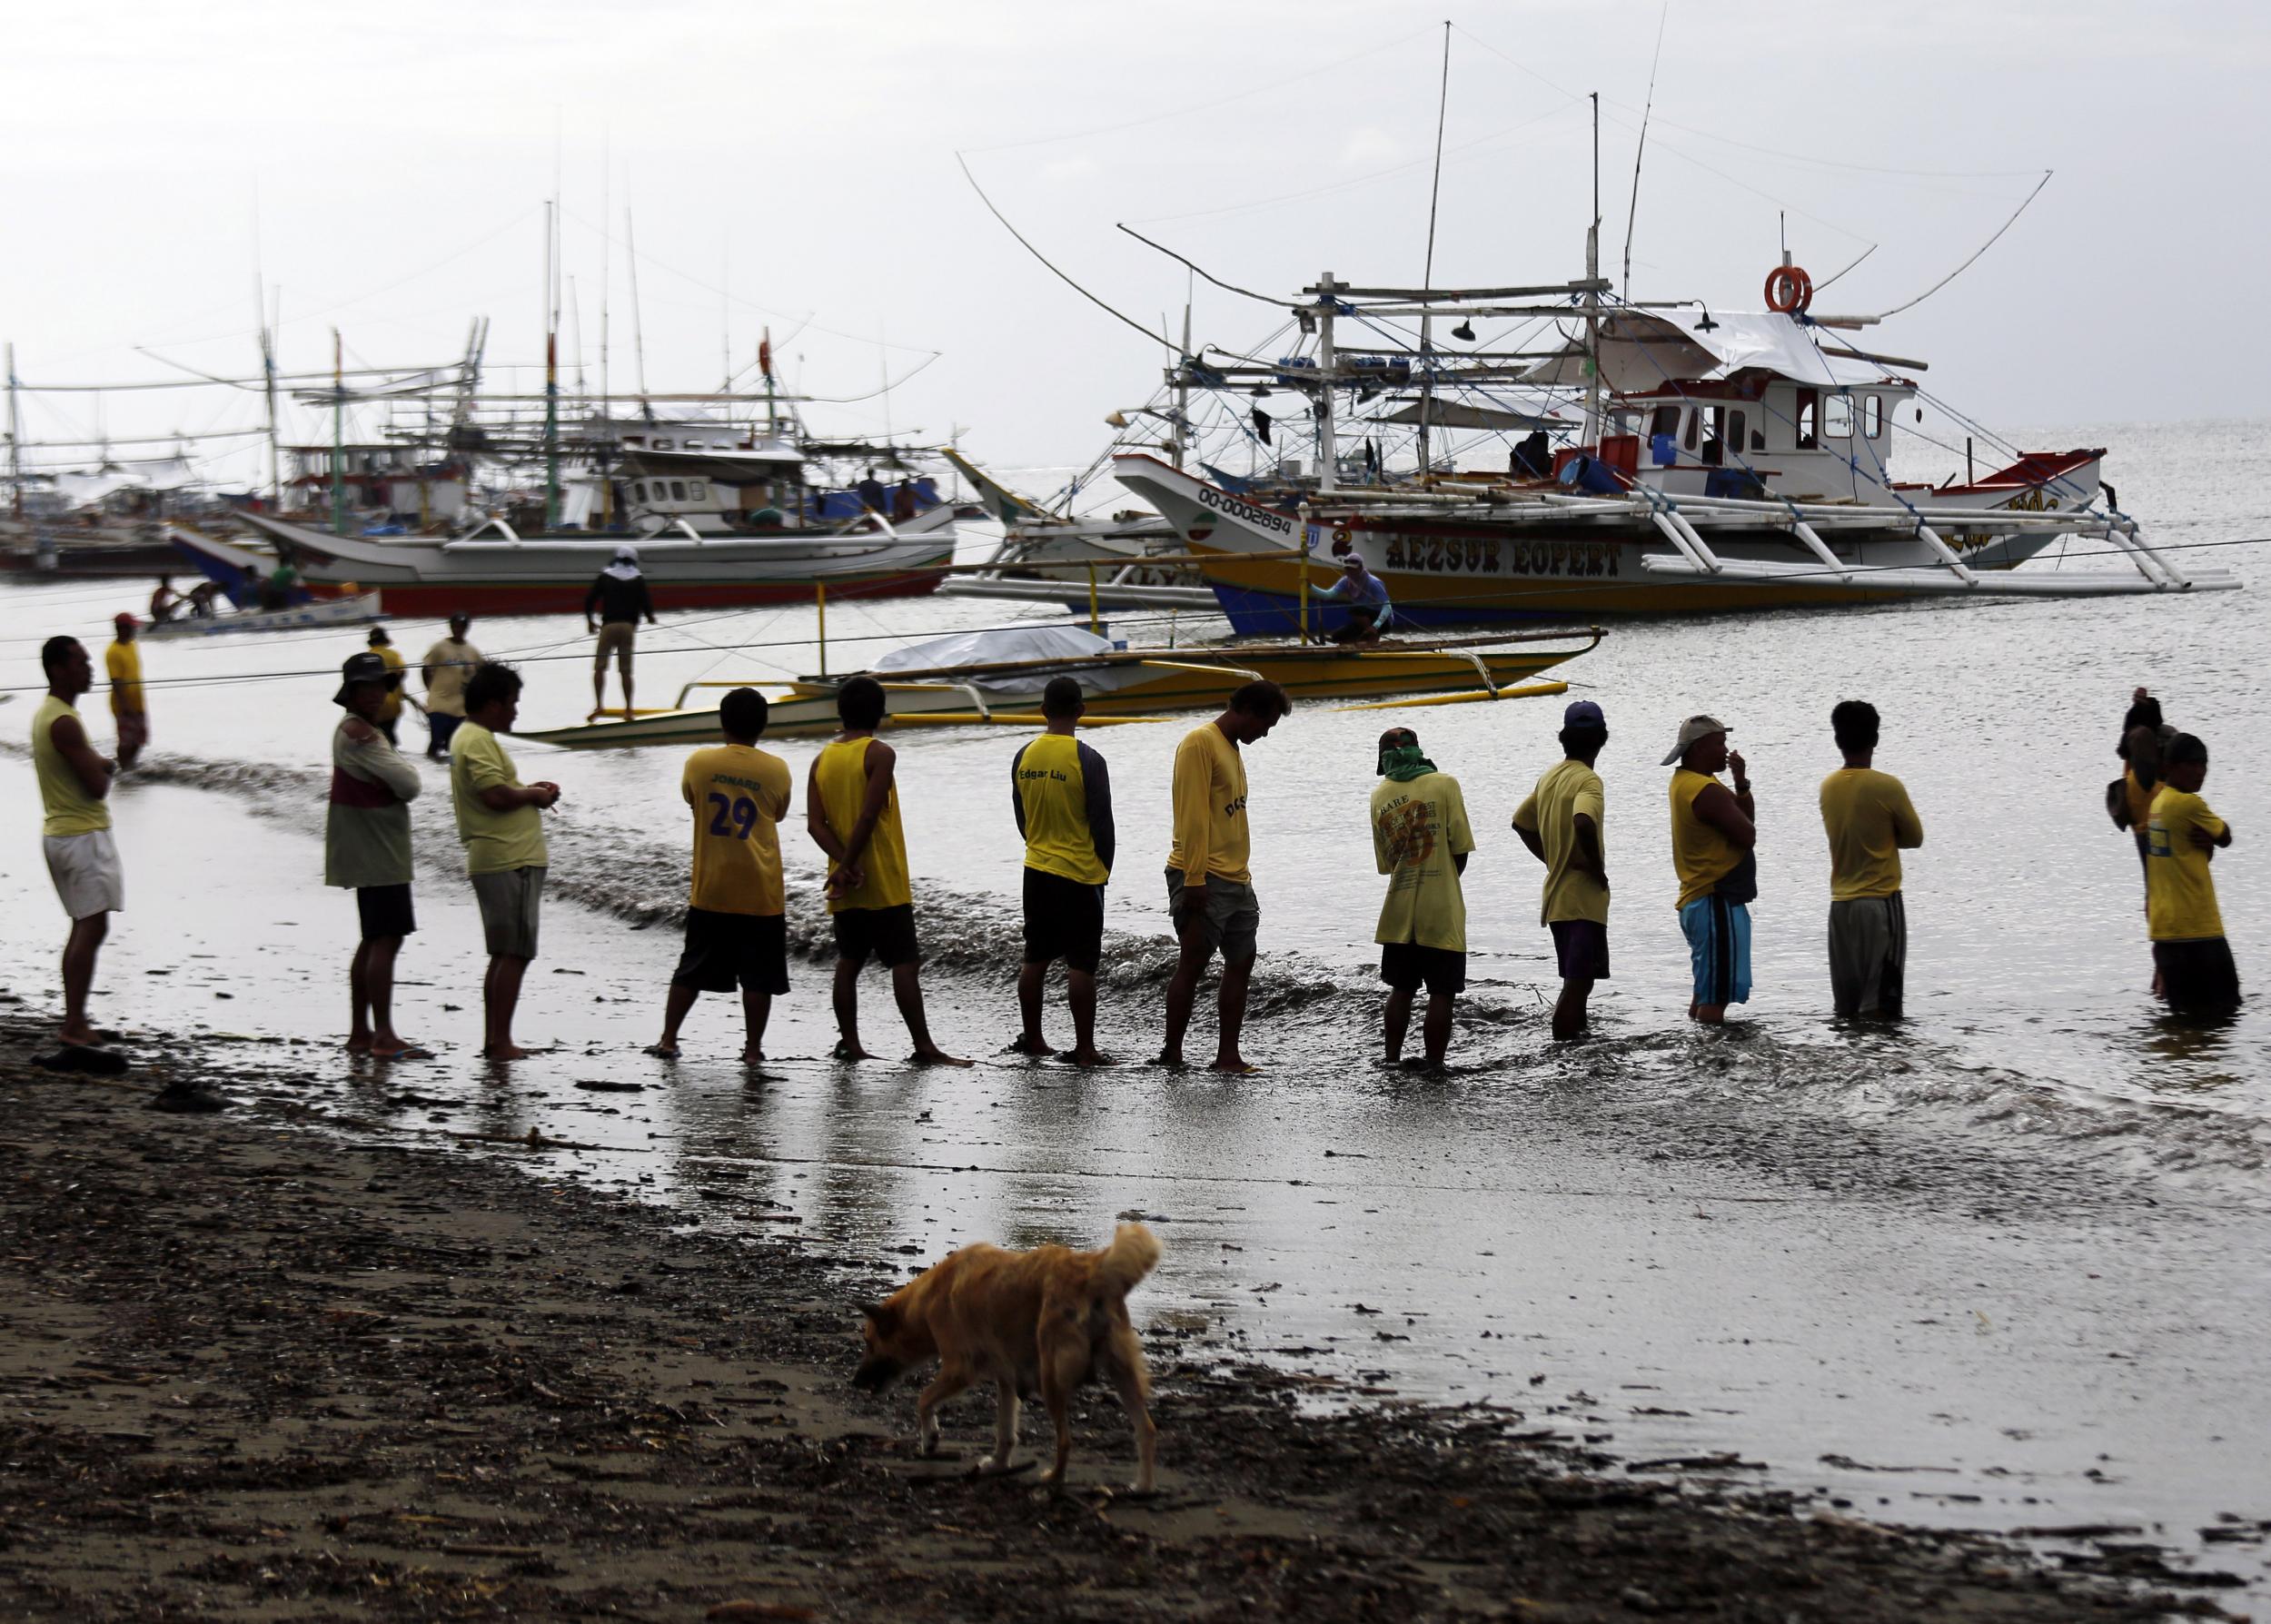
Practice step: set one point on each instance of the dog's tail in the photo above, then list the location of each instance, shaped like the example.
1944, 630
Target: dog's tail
1134, 1253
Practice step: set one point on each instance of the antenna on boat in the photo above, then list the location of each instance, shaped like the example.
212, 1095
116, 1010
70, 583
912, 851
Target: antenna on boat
339, 435
268, 387
1427, 276
551, 364
1639, 150
1592, 294
607, 267
637, 329
1182, 391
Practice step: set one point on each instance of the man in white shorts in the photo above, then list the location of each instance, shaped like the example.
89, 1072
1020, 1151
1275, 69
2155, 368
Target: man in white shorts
81, 857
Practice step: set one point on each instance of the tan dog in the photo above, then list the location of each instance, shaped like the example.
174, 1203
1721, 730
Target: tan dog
1043, 1321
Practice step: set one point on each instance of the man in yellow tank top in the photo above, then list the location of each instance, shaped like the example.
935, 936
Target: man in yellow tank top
1062, 795
82, 858
122, 661
851, 809
1712, 838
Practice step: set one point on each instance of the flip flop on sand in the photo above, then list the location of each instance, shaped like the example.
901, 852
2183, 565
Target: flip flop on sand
407, 1052
85, 1060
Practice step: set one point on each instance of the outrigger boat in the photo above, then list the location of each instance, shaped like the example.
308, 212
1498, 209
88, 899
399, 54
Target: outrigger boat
997, 677
360, 610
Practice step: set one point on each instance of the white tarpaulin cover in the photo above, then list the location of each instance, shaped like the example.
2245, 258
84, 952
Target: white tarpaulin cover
1642, 351
995, 648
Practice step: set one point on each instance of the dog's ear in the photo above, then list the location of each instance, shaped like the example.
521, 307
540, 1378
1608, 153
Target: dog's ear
883, 1314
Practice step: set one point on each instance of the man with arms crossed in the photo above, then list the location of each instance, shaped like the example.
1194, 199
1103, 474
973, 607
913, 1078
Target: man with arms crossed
500, 822
122, 661
1712, 836
851, 809
446, 668
1560, 823
1871, 822
1420, 839
1062, 797
1210, 895
737, 929
366, 847
2198, 975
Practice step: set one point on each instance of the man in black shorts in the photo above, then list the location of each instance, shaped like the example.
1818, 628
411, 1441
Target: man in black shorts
1420, 841
1062, 795
366, 847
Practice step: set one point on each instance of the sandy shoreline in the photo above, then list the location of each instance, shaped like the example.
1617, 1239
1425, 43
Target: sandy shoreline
258, 1369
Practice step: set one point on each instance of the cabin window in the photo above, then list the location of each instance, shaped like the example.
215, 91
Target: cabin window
1874, 417
1808, 420
638, 491
678, 490
1714, 451
1735, 421
661, 445
1665, 420
1688, 439
700, 494
1837, 417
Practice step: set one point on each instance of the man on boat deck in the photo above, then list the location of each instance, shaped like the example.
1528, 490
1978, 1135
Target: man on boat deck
122, 662
1210, 893
870, 493
1421, 840
1714, 837
446, 666
736, 915
366, 847
851, 809
1367, 595
1871, 822
2190, 952
500, 822
1562, 824
164, 602
1062, 797
391, 710
619, 597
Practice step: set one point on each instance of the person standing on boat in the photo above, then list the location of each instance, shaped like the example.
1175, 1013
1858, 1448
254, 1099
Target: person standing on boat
851, 809
500, 822
1367, 595
905, 502
1062, 797
391, 710
366, 849
2190, 953
1713, 839
1871, 822
1421, 840
1210, 892
619, 597
736, 929
1562, 824
446, 666
164, 602
871, 492
122, 662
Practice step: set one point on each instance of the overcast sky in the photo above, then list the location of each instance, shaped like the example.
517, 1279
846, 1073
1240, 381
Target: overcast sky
387, 165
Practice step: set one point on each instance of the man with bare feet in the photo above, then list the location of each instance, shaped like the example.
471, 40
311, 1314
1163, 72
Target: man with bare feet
1420, 840
1210, 893
1713, 834
366, 847
498, 820
851, 809
737, 931
1560, 823
1062, 797
129, 708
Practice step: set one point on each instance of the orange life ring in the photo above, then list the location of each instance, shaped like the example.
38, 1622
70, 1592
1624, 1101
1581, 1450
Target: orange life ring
1789, 289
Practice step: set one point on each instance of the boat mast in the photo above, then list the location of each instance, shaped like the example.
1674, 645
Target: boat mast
268, 388
338, 437
552, 365
1593, 294
1427, 277
1183, 391
1328, 443
607, 267
16, 440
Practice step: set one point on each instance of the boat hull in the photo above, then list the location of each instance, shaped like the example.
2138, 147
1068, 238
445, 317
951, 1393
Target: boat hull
357, 610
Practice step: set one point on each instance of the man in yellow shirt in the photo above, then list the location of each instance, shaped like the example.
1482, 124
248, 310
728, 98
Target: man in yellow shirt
447, 667
75, 784
736, 927
2198, 975
1560, 823
851, 810
391, 711
1713, 842
1062, 795
500, 824
1420, 840
1210, 893
122, 662
1871, 822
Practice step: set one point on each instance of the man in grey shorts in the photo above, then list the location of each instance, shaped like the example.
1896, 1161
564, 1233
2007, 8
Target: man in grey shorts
499, 821
1210, 895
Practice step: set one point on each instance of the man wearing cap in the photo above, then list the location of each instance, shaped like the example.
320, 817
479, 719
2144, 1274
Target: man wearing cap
1420, 840
390, 713
366, 847
122, 661
1367, 595
445, 669
1560, 823
618, 599
1713, 833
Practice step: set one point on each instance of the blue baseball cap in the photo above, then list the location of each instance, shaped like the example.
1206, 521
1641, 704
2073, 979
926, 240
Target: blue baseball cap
1583, 713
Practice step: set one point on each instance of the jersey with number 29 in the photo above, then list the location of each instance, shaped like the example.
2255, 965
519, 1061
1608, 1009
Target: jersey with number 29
739, 794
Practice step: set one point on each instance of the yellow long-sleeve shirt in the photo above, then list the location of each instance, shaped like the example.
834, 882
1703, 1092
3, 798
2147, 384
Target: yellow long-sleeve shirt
1210, 809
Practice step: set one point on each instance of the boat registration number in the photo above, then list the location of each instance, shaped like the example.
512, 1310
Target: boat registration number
1260, 518
1491, 555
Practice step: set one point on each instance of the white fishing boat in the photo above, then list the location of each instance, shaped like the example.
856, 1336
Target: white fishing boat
1097, 561
362, 608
